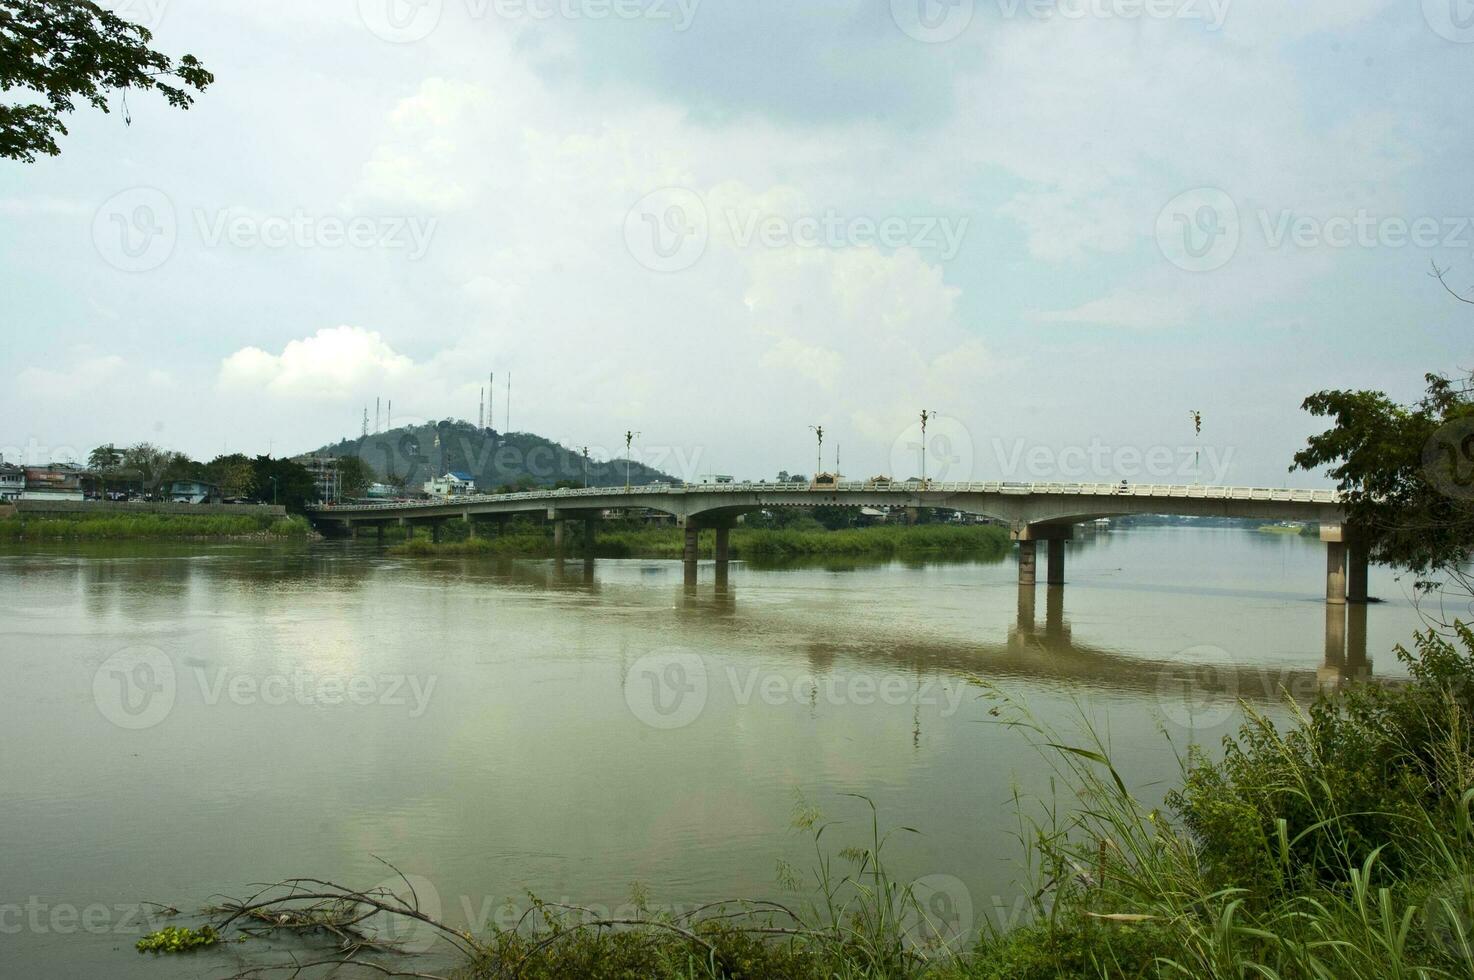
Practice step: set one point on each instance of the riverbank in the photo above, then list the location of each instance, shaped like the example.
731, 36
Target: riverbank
971, 541
152, 527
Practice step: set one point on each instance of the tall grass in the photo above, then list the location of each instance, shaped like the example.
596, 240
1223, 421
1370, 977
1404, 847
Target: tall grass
150, 526
943, 540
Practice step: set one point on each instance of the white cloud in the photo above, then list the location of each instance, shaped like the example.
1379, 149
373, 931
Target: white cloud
333, 364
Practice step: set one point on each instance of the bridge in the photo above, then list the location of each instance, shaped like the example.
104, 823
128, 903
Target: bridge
1033, 512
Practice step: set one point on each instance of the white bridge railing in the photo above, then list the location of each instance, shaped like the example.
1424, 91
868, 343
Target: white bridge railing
932, 488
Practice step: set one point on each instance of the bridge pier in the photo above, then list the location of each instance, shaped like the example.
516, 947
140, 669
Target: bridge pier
1346, 565
1028, 556
558, 535
723, 547
380, 534
1055, 536
590, 528
435, 531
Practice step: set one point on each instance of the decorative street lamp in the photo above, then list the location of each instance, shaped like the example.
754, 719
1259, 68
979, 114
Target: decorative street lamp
925, 418
629, 437
818, 430
1197, 418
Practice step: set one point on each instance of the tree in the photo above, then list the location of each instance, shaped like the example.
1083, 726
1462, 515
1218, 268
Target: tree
153, 464
105, 458
234, 474
62, 50
284, 482
355, 476
1406, 473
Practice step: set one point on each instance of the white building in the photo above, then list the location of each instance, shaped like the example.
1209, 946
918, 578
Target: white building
451, 485
12, 482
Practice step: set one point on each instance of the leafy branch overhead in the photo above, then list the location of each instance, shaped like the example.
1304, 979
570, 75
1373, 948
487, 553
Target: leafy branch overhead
56, 52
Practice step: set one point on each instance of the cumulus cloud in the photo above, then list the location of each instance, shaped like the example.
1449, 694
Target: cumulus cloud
332, 364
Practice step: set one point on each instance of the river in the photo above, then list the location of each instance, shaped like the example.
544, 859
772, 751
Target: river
180, 721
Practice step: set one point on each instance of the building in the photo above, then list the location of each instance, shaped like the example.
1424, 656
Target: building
325, 476
54, 482
451, 485
194, 492
12, 482
381, 491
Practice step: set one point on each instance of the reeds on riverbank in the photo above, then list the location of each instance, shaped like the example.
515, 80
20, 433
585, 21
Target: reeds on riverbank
142, 527
753, 544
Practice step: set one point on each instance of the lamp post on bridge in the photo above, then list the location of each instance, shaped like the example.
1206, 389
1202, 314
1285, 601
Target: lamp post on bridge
1197, 418
585, 467
818, 430
629, 437
925, 418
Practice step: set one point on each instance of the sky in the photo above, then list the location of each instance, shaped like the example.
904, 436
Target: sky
1062, 227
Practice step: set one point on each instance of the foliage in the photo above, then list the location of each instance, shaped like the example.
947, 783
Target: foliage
1357, 777
105, 458
281, 481
953, 541
354, 477
63, 50
148, 526
1405, 471
178, 939
234, 474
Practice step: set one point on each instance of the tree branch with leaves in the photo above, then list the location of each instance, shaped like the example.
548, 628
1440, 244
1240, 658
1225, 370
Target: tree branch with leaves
62, 51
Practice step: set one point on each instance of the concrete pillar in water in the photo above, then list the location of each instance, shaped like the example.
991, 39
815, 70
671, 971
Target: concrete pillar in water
435, 531
409, 530
692, 550
590, 528
1027, 558
1356, 572
1056, 574
724, 547
558, 536
380, 534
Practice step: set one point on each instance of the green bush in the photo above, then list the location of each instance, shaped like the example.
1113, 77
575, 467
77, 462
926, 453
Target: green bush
1361, 774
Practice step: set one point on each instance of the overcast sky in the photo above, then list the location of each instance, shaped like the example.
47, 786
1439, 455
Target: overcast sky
1061, 227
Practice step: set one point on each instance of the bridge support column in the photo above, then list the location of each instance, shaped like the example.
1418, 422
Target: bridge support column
1356, 572
1334, 537
590, 528
558, 536
692, 550
1028, 556
380, 534
1056, 575
723, 547
409, 529
435, 531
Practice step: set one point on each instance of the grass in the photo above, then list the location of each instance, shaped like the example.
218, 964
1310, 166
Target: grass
752, 544
115, 527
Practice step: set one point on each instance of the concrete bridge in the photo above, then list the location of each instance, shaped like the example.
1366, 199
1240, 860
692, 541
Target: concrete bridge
1034, 512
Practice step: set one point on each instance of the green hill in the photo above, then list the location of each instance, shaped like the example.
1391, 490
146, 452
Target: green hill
411, 455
